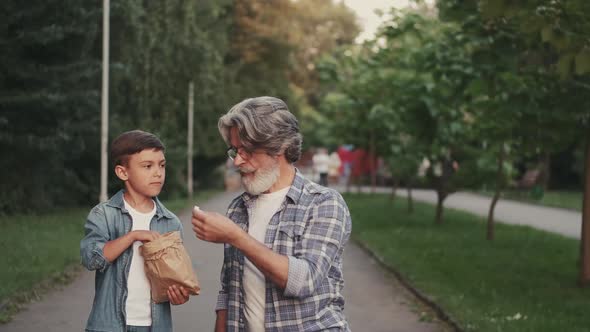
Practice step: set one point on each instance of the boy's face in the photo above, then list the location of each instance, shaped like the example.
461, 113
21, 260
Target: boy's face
145, 172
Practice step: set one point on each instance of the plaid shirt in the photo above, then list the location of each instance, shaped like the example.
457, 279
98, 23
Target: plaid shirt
311, 228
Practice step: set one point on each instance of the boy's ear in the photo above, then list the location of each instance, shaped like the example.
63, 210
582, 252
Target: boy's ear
121, 172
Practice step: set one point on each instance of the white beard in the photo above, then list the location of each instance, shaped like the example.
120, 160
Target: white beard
263, 179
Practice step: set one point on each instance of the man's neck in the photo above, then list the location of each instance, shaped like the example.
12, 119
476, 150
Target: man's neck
285, 178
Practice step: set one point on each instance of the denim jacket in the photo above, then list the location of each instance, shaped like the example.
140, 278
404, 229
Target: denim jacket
108, 221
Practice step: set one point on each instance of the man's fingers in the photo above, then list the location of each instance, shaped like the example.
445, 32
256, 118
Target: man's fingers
199, 233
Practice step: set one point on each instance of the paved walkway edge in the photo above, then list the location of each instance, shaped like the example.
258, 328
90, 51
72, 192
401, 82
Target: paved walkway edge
442, 315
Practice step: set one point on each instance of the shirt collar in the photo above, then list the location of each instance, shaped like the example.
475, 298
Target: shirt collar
118, 202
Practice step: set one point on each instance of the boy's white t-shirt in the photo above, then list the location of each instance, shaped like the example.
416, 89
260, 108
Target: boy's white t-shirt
254, 281
138, 305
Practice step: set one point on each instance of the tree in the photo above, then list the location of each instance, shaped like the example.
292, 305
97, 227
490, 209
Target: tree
564, 26
427, 76
49, 106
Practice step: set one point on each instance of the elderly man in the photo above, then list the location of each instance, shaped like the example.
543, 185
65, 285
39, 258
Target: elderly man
284, 237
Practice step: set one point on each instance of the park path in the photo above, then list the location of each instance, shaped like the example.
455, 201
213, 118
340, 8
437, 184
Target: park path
561, 221
375, 300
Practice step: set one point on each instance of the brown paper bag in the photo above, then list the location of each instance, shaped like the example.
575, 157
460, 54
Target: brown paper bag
167, 263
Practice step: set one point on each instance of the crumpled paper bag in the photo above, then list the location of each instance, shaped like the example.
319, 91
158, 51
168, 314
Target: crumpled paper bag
167, 263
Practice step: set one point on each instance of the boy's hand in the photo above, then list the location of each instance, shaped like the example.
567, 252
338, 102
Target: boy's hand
177, 295
144, 236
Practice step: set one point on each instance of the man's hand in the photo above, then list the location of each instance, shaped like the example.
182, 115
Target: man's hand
178, 295
143, 235
214, 227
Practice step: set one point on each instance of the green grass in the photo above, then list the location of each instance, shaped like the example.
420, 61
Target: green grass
42, 251
571, 200
38, 251
484, 286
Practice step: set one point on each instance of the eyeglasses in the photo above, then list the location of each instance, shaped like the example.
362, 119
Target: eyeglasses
233, 152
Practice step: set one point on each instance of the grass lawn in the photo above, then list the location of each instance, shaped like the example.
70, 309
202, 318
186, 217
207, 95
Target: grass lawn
39, 252
525, 280
571, 200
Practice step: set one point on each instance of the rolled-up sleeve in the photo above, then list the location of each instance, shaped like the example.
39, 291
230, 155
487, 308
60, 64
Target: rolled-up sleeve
95, 237
321, 243
222, 297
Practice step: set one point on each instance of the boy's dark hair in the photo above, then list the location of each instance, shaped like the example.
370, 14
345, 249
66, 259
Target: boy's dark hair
132, 142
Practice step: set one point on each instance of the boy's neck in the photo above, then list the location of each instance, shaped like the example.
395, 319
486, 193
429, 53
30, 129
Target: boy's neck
140, 203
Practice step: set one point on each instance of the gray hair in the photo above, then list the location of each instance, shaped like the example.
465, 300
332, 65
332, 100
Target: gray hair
264, 123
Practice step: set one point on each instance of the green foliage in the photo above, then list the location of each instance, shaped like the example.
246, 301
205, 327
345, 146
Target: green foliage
486, 83
49, 103
50, 99
230, 50
168, 45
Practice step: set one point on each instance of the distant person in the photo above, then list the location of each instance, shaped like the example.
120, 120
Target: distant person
346, 159
321, 165
283, 238
115, 230
334, 168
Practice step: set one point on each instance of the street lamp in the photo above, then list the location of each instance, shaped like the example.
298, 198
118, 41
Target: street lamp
104, 101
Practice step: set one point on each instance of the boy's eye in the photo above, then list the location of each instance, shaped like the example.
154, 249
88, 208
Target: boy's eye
163, 165
147, 166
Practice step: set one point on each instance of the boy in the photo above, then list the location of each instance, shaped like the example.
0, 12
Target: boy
114, 231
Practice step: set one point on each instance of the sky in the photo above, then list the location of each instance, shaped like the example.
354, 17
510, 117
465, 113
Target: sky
368, 19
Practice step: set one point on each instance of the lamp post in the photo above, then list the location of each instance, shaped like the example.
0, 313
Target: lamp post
190, 140
104, 101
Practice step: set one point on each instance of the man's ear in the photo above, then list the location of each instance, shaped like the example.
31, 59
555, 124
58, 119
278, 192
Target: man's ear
121, 172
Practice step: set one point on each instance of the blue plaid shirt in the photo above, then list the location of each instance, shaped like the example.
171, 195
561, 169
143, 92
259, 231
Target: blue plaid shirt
311, 228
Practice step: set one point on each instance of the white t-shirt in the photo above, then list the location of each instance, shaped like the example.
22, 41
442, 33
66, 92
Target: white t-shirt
254, 281
138, 305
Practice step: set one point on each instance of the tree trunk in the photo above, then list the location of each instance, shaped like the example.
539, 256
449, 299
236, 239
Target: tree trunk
372, 162
584, 279
439, 207
410, 199
499, 185
394, 185
545, 171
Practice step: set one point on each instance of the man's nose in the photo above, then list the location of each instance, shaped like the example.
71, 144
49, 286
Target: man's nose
238, 160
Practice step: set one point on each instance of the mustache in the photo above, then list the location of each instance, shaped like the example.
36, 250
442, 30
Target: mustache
245, 170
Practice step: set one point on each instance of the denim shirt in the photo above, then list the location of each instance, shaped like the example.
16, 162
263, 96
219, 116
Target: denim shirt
106, 222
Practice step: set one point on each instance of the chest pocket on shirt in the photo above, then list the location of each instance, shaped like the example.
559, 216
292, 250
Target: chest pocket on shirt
289, 236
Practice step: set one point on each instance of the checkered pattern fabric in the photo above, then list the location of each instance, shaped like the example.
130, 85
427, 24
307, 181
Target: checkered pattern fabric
311, 228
